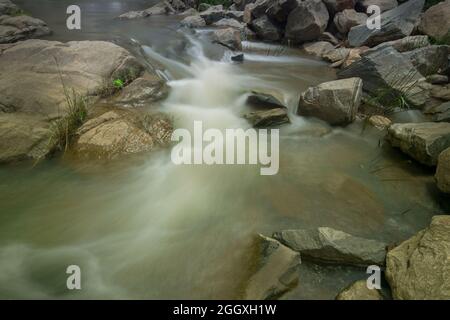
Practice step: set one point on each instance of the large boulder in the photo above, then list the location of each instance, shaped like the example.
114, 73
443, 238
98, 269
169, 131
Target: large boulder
21, 27
120, 132
422, 141
276, 270
229, 37
265, 29
307, 22
280, 9
419, 267
429, 60
387, 70
335, 102
359, 291
328, 245
335, 6
435, 22
395, 24
32, 92
384, 5
347, 19
443, 171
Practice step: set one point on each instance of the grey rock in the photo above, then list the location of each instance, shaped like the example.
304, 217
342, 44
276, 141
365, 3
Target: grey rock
193, 22
429, 60
441, 92
422, 141
228, 22
435, 22
263, 101
384, 5
318, 49
267, 118
395, 24
18, 28
437, 79
335, 102
335, 6
404, 44
440, 113
9, 8
443, 171
266, 29
280, 9
328, 245
348, 19
419, 268
229, 37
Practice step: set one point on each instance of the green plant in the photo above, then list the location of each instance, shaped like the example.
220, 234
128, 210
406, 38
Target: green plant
118, 83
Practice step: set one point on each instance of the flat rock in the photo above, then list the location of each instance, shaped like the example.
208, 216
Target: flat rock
419, 267
335, 102
422, 141
359, 291
328, 245
276, 271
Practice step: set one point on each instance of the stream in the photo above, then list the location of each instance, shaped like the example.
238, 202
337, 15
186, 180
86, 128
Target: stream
144, 228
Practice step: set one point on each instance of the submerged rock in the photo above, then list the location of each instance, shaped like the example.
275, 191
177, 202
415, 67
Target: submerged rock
267, 118
389, 70
307, 22
395, 24
17, 28
335, 102
422, 141
276, 271
359, 291
419, 267
443, 171
435, 22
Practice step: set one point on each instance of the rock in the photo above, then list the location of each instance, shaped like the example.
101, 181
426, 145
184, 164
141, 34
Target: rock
280, 9
276, 271
347, 19
429, 60
336, 54
236, 15
8, 8
419, 268
267, 118
384, 5
120, 132
241, 4
307, 22
395, 24
404, 44
422, 141
318, 49
17, 28
260, 7
335, 102
227, 22
162, 8
353, 56
134, 15
435, 21
248, 34
248, 17
193, 22
359, 291
230, 38
189, 12
142, 91
262, 101
440, 92
379, 122
328, 245
387, 69
203, 6
437, 79
440, 113
327, 36
213, 14
335, 6
31, 90
265, 29
238, 57
443, 171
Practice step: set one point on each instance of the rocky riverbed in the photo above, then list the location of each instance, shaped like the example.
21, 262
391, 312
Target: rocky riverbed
365, 150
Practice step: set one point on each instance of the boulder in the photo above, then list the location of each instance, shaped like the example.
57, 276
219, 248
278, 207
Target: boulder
262, 101
439, 113
419, 267
347, 19
266, 29
328, 245
318, 49
267, 118
335, 102
248, 16
260, 7
435, 22
236, 15
437, 79
203, 6
422, 141
241, 4
280, 9
189, 12
229, 37
213, 14
193, 22
390, 71
443, 171
379, 122
429, 60
403, 45
162, 8
9, 8
18, 28
227, 22
395, 24
335, 6
31, 90
336, 54
384, 5
120, 132
359, 291
276, 270
441, 92
327, 36
307, 22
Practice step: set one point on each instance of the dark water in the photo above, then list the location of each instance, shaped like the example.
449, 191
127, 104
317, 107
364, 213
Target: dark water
145, 228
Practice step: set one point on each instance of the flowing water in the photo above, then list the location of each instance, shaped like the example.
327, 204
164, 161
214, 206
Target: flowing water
145, 228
